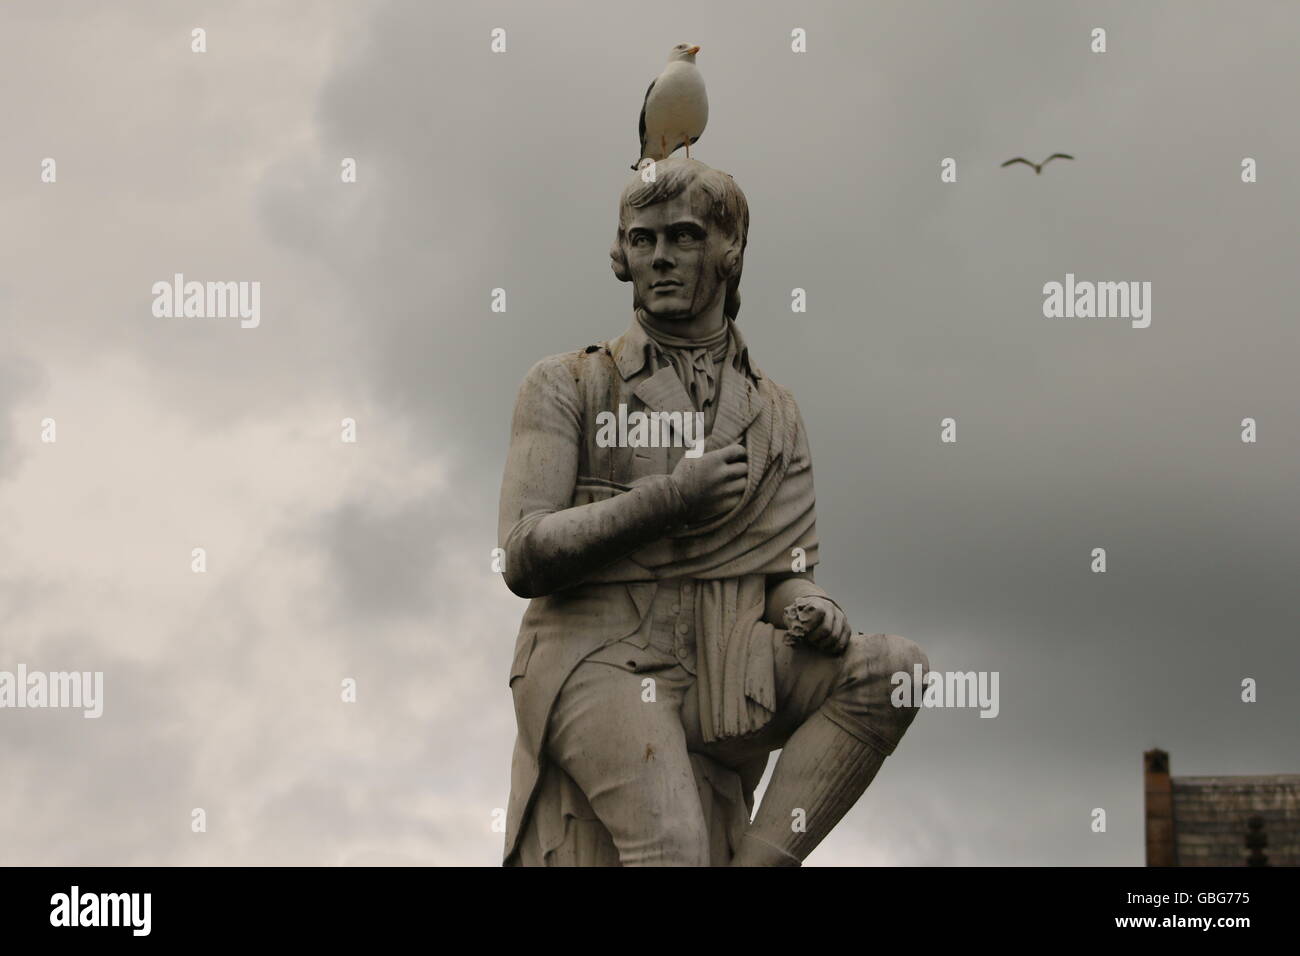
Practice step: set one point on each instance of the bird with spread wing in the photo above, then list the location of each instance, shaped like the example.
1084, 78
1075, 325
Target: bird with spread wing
1038, 167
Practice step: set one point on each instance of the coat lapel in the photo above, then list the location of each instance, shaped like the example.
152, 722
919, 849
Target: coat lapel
739, 403
663, 392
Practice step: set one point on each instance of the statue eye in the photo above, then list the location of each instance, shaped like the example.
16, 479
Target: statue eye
640, 240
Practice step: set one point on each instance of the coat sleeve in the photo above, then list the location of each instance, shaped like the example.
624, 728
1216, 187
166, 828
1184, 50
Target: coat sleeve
548, 544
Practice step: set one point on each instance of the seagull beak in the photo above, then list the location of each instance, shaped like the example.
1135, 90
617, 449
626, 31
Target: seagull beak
693, 50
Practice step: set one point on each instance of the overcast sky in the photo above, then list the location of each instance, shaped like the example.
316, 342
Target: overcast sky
477, 170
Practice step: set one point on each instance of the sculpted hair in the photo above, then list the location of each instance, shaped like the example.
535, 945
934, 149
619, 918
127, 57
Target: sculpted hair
713, 196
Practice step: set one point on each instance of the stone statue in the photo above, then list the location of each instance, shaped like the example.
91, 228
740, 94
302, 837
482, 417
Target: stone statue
675, 636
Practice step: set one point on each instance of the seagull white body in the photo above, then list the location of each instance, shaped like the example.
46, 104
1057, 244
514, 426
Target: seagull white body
676, 107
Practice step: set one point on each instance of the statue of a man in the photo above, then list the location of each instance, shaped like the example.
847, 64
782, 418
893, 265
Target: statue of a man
675, 636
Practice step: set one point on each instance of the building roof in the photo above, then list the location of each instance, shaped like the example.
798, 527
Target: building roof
1212, 814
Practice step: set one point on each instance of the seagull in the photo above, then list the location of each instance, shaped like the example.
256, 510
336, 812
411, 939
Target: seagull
1038, 167
675, 108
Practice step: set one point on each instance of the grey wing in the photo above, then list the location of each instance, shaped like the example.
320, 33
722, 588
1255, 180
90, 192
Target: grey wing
1018, 159
1057, 156
641, 129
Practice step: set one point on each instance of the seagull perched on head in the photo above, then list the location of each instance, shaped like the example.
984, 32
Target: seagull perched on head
676, 107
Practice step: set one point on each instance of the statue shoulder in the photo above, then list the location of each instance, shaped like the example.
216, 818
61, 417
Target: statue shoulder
779, 392
565, 373
577, 362
788, 408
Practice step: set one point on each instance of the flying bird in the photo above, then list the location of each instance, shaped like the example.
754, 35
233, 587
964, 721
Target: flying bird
675, 108
1038, 167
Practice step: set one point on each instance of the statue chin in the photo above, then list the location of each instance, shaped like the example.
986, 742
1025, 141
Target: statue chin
670, 315
682, 311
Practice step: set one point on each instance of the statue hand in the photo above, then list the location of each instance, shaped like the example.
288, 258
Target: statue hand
712, 484
820, 624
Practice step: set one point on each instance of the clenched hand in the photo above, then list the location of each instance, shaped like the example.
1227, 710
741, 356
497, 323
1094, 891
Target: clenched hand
819, 623
712, 484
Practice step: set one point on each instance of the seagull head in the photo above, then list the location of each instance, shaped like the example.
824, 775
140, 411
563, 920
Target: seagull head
684, 52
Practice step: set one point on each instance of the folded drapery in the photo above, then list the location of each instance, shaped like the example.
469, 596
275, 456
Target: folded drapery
730, 558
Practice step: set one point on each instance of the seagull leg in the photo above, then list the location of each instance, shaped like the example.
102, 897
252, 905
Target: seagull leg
687, 140
663, 146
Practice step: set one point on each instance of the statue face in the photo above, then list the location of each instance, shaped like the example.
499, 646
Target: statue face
674, 260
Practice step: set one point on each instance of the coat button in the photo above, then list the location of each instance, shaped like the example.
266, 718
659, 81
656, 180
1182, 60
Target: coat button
675, 608
683, 629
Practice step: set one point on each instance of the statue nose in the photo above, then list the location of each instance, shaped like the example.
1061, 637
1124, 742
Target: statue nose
663, 250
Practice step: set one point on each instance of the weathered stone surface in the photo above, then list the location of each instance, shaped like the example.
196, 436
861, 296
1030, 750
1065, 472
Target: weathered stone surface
653, 673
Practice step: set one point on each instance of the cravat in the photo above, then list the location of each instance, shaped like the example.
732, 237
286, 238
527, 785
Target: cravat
698, 363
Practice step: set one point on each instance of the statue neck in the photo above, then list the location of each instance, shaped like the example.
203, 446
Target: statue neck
705, 325
716, 343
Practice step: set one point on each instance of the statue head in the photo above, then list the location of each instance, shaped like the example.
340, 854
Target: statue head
681, 240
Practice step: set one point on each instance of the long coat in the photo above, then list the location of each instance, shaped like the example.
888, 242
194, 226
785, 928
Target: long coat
555, 463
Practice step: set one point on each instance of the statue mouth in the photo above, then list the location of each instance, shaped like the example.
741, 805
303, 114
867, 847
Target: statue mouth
666, 284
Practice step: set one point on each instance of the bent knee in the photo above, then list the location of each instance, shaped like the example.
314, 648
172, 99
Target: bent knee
866, 699
875, 656
899, 655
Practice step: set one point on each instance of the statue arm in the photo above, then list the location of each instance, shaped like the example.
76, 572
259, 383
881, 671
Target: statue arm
548, 544
784, 590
